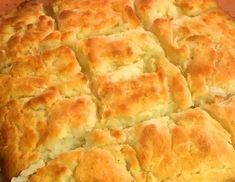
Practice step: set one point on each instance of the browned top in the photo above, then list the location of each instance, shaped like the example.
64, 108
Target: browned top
117, 90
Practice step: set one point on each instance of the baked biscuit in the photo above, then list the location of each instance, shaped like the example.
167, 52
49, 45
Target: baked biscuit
127, 101
149, 10
92, 164
60, 63
161, 144
85, 18
188, 146
115, 55
224, 112
204, 49
29, 16
26, 76
45, 123
132, 78
118, 107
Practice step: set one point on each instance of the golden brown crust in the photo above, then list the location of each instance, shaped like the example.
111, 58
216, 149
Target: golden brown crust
81, 18
47, 124
115, 55
193, 136
224, 112
29, 18
124, 114
202, 48
196, 7
89, 165
148, 95
59, 62
132, 78
150, 10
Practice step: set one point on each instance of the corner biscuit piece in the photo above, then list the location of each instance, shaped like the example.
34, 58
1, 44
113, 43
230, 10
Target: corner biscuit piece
224, 112
85, 18
25, 88
149, 10
204, 50
27, 76
29, 15
60, 62
188, 146
30, 43
21, 87
121, 55
127, 101
38, 128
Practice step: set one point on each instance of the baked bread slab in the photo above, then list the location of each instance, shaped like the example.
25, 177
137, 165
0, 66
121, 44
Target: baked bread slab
117, 90
203, 47
223, 111
79, 19
39, 127
132, 78
27, 15
149, 10
161, 143
142, 97
93, 164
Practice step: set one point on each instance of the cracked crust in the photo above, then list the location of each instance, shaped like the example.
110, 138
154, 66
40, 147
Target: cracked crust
27, 15
193, 136
224, 112
43, 126
94, 164
79, 19
161, 143
205, 51
115, 55
150, 10
29, 75
132, 78
125, 102
124, 114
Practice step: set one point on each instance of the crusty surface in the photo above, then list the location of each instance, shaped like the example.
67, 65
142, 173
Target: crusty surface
60, 62
204, 48
79, 19
224, 112
27, 76
161, 143
43, 125
149, 10
114, 55
117, 90
125, 102
26, 16
132, 78
88, 165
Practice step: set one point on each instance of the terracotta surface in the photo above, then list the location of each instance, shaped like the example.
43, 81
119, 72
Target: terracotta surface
228, 5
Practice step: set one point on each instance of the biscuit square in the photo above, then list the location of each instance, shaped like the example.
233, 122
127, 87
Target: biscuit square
150, 10
29, 16
224, 112
187, 146
132, 78
204, 49
90, 164
85, 18
49, 121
